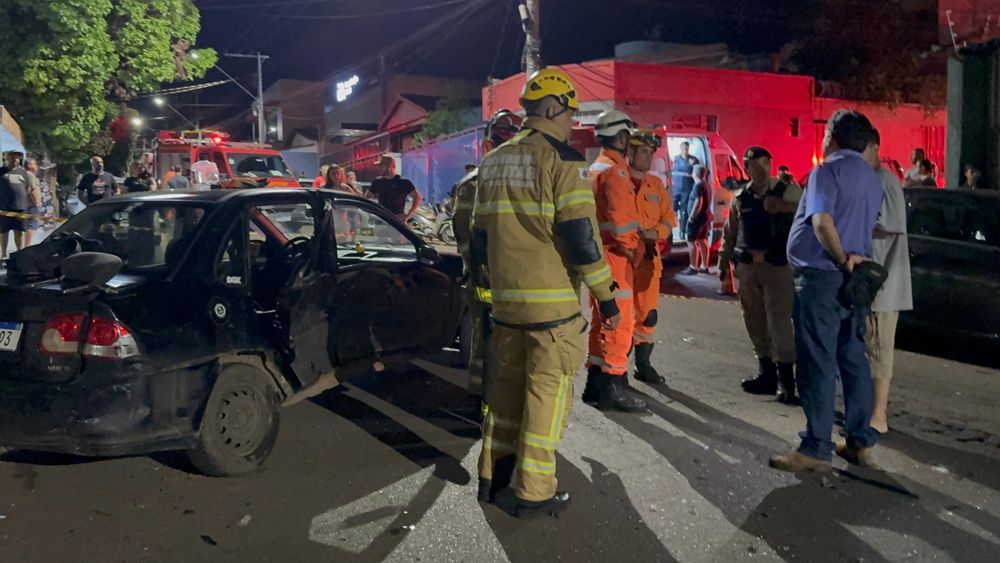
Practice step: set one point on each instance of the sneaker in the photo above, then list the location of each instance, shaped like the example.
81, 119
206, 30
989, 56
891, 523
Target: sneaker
688, 272
705, 271
795, 461
530, 509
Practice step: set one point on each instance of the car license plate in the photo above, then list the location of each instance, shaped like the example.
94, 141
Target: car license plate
10, 336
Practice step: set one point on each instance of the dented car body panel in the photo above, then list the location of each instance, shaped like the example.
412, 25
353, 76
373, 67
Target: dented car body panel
305, 285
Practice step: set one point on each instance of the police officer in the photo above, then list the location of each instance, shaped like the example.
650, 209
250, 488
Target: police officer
535, 228
501, 128
618, 218
755, 237
656, 221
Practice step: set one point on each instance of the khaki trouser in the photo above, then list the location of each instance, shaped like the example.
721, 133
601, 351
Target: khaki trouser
767, 298
529, 398
880, 342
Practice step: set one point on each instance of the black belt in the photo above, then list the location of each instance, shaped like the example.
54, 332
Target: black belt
745, 256
538, 326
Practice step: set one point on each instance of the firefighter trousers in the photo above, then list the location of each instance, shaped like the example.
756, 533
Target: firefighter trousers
647, 299
767, 297
528, 402
609, 349
479, 315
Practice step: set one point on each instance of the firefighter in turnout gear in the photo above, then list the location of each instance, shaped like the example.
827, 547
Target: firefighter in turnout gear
656, 221
755, 238
501, 128
535, 229
618, 219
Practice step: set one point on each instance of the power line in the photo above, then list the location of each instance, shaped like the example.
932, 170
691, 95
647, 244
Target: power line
503, 36
335, 17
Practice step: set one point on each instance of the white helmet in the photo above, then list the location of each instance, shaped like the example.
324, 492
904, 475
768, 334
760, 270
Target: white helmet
612, 122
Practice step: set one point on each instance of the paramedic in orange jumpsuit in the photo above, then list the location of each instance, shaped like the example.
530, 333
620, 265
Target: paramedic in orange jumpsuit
618, 220
656, 221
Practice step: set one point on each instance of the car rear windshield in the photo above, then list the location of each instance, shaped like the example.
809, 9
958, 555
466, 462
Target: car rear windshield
259, 165
146, 235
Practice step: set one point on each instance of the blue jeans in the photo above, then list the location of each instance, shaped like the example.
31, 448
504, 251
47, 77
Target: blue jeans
830, 342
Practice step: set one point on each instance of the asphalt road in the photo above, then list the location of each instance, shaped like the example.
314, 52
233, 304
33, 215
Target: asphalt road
384, 469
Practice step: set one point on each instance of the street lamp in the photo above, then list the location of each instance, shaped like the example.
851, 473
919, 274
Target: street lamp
272, 129
137, 121
194, 54
159, 102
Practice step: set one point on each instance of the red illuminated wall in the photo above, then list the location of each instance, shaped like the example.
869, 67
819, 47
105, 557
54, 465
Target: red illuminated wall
974, 21
745, 108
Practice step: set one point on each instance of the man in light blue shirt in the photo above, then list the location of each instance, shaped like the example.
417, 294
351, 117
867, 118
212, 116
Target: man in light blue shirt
831, 234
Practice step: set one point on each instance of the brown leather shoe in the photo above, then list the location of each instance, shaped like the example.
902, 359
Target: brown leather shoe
858, 456
795, 462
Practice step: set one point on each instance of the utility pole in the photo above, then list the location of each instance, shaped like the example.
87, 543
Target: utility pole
261, 124
531, 23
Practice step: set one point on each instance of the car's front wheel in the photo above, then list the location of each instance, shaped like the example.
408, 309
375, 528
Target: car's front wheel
240, 426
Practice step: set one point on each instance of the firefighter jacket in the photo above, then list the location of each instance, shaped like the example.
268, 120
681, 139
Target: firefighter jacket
535, 227
656, 207
465, 207
617, 213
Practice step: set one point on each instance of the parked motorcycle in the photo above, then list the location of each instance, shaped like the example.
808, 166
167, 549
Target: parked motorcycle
446, 227
424, 221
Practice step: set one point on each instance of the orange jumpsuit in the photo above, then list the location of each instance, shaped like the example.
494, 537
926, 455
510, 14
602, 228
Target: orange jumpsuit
618, 219
656, 211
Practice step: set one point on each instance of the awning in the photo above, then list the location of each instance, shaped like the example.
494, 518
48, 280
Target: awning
10, 133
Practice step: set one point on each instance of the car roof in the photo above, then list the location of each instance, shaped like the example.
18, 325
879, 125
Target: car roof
222, 196
991, 194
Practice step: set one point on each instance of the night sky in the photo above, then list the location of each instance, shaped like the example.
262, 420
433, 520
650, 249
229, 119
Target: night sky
312, 39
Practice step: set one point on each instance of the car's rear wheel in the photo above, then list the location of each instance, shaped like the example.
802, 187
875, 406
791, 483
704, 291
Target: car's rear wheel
240, 426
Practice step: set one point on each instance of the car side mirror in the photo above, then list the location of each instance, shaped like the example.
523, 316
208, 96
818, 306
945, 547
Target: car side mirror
429, 255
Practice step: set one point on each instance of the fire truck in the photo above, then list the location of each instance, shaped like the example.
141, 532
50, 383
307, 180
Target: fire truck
239, 164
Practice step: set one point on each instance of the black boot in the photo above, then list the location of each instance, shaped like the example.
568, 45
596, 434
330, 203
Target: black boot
503, 473
786, 379
530, 509
766, 382
592, 390
644, 370
614, 395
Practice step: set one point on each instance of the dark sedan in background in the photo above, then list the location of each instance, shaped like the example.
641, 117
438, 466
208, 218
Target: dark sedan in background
954, 239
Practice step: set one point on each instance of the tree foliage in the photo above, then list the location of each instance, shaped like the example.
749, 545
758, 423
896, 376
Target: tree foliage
879, 51
449, 116
71, 64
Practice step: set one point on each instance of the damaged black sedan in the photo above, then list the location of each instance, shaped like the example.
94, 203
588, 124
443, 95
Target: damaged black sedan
183, 321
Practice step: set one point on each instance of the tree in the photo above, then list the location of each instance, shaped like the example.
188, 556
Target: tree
879, 51
450, 115
71, 64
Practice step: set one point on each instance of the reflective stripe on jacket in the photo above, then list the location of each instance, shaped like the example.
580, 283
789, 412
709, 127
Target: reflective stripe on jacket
526, 187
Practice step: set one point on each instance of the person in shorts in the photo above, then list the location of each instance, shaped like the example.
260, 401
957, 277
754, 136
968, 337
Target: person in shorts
699, 212
15, 185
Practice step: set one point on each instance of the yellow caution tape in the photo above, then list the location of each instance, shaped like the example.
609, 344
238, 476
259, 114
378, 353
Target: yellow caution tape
45, 218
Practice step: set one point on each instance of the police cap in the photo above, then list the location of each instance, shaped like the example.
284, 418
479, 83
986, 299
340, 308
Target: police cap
753, 153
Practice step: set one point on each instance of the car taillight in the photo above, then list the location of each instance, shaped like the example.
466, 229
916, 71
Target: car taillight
102, 337
109, 339
62, 334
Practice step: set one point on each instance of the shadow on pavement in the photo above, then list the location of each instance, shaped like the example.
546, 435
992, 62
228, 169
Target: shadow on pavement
825, 519
601, 525
723, 458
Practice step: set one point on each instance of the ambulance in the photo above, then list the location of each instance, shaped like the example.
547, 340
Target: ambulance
239, 164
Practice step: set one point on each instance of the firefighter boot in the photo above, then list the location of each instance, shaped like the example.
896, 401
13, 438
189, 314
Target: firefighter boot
644, 371
766, 382
591, 391
786, 380
613, 395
